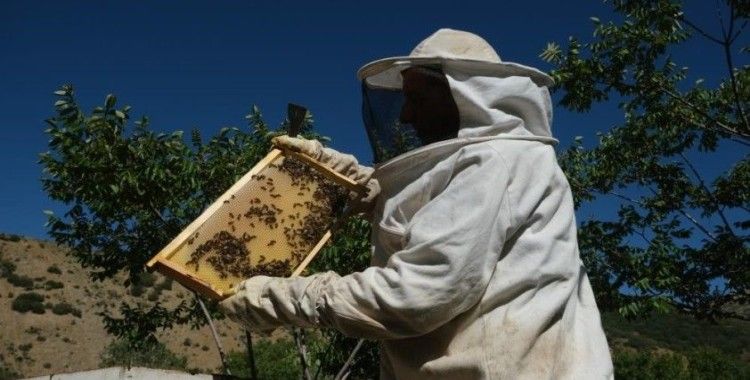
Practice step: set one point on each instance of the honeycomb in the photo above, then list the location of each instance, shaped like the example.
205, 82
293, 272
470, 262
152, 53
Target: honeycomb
268, 226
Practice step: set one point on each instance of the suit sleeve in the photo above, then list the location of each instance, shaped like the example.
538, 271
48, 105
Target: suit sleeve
451, 247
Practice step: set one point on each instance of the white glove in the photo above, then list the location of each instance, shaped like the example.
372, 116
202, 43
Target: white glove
344, 164
264, 303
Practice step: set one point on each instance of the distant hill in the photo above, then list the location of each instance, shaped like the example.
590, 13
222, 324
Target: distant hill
69, 335
679, 333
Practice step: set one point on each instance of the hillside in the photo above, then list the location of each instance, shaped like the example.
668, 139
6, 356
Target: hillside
69, 335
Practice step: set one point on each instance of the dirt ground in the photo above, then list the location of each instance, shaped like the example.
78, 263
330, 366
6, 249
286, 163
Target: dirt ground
38, 344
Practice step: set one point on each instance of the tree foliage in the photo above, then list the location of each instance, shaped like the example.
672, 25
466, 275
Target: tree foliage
681, 237
130, 190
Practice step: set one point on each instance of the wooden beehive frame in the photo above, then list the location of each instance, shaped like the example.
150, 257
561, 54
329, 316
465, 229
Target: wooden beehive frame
162, 263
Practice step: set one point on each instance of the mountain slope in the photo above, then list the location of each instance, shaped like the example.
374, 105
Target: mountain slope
69, 335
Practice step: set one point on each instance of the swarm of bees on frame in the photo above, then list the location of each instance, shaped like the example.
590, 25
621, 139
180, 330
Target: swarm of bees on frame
227, 252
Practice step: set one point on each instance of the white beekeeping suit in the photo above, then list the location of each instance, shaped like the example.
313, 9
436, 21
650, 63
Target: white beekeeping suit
476, 272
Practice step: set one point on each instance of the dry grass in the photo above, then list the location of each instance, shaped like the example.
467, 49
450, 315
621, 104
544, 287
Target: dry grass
39, 344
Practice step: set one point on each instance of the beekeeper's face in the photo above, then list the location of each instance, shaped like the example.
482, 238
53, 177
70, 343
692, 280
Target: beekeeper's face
428, 105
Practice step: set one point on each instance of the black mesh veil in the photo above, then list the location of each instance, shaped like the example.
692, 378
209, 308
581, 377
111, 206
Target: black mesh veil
389, 137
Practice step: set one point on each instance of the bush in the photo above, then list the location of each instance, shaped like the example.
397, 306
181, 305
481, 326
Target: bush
157, 355
136, 290
21, 281
63, 308
7, 373
54, 269
10, 237
51, 284
166, 284
147, 279
710, 363
153, 295
274, 360
31, 301
7, 268
700, 363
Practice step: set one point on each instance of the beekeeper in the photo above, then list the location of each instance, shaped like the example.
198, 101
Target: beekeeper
475, 269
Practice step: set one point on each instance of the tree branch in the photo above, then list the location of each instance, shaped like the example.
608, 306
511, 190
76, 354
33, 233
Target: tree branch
699, 30
727, 43
682, 212
251, 355
302, 352
740, 141
737, 34
213, 331
693, 220
725, 127
710, 194
721, 20
344, 371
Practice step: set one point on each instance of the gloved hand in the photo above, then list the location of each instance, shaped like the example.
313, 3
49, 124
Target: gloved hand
344, 164
264, 303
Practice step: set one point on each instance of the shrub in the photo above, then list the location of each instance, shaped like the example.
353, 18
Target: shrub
63, 308
25, 347
157, 355
153, 295
6, 268
7, 373
274, 360
54, 269
147, 279
10, 237
51, 284
700, 363
136, 290
29, 302
166, 284
21, 281
710, 363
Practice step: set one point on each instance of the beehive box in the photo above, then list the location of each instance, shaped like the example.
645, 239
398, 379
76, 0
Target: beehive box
271, 222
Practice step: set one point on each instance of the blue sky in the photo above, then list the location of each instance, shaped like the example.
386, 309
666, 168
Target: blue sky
188, 64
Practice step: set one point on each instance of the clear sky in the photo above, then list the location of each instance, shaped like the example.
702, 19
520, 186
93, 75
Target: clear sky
189, 64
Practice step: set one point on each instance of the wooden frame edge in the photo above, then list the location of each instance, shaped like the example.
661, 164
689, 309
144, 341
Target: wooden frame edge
171, 248
328, 172
191, 282
314, 252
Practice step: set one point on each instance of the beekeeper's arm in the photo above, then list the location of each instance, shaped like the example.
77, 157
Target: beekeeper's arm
344, 164
451, 247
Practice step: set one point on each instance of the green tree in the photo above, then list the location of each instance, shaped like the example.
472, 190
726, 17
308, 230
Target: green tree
681, 237
130, 190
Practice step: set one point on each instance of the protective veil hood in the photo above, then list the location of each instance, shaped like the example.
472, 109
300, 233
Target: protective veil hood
495, 100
